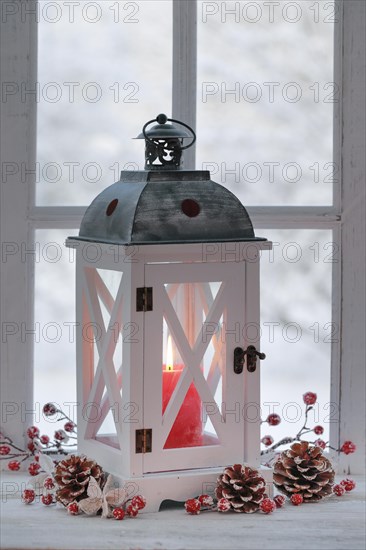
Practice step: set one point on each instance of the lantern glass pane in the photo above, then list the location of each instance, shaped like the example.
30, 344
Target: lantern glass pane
103, 71
109, 284
102, 346
193, 303
107, 432
297, 330
265, 121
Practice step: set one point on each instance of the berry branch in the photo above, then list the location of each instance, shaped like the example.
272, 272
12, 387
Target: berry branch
274, 419
64, 439
39, 444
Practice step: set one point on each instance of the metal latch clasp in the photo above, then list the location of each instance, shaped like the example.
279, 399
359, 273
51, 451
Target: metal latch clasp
239, 357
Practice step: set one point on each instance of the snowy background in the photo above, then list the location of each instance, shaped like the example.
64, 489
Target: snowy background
100, 81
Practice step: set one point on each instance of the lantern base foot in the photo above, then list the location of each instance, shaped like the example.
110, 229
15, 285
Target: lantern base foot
180, 485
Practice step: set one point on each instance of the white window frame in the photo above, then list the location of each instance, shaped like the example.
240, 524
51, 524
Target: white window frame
20, 217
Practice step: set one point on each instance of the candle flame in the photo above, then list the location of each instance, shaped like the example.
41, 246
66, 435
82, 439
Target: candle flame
169, 354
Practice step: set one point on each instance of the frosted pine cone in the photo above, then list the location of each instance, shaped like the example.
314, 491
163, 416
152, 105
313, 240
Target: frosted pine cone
243, 487
72, 477
303, 469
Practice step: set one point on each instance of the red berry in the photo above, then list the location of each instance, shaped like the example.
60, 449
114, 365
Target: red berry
60, 435
267, 440
34, 468
138, 502
14, 465
267, 505
44, 439
132, 511
318, 430
33, 432
320, 443
273, 419
193, 506
339, 490
348, 448
279, 500
223, 505
348, 484
4, 449
297, 499
205, 500
47, 499
31, 446
49, 409
118, 513
73, 508
28, 496
69, 427
309, 398
49, 484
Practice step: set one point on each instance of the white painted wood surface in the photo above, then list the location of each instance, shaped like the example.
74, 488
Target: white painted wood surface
18, 65
271, 217
351, 147
252, 391
334, 524
185, 69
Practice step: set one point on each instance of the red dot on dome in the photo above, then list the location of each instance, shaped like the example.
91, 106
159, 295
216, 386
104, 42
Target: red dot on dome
190, 208
111, 207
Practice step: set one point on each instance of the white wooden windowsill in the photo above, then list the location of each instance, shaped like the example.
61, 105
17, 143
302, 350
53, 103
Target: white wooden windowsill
337, 523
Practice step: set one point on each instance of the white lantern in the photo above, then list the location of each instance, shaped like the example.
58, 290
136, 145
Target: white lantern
167, 272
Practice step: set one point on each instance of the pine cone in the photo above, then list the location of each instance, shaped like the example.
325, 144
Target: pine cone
243, 487
304, 469
72, 477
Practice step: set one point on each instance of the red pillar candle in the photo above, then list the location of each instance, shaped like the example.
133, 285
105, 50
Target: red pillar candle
187, 426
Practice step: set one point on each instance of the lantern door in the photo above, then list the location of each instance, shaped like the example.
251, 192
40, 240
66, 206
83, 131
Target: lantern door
193, 399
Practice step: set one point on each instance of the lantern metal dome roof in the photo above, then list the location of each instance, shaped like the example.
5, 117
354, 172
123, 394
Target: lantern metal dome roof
150, 207
162, 205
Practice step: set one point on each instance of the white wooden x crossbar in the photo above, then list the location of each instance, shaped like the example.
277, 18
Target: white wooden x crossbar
105, 374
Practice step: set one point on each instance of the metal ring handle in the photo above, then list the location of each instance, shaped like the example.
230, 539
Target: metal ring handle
171, 120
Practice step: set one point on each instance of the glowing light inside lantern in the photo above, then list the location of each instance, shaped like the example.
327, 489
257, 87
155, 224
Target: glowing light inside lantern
169, 354
187, 428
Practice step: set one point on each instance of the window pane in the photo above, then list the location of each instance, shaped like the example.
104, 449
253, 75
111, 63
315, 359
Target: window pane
55, 347
104, 70
266, 98
297, 328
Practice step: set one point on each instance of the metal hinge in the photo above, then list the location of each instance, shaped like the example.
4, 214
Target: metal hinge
144, 298
144, 440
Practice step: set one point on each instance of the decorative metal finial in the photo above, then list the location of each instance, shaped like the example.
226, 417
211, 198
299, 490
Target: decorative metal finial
164, 143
